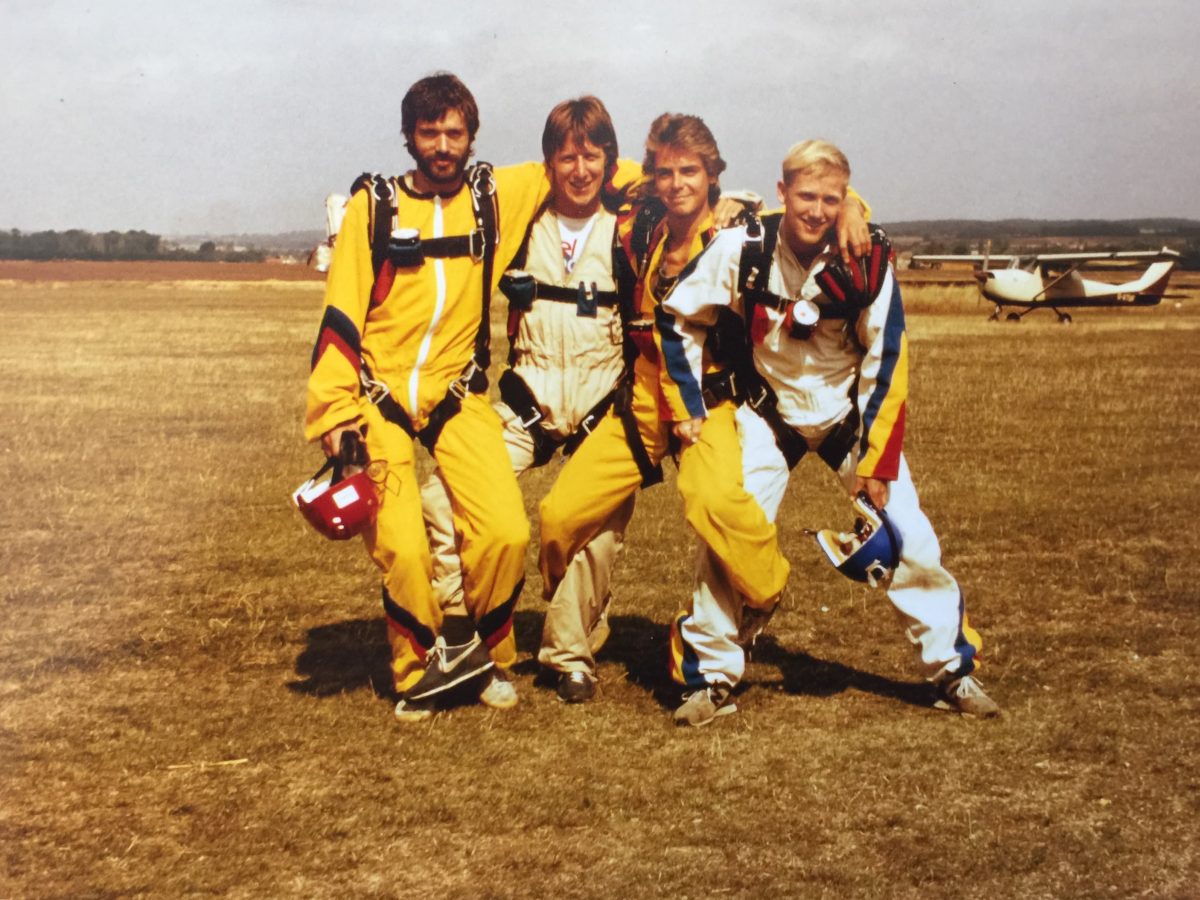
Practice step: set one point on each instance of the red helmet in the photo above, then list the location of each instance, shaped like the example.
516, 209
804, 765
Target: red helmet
338, 507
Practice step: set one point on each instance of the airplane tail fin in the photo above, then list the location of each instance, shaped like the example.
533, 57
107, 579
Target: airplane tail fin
1153, 283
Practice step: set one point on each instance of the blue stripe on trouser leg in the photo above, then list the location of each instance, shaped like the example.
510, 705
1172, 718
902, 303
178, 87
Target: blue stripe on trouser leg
968, 643
685, 665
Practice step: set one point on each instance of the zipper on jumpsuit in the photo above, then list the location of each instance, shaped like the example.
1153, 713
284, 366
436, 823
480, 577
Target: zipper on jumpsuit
440, 272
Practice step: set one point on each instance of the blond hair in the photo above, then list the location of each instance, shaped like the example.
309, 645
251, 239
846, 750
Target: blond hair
816, 154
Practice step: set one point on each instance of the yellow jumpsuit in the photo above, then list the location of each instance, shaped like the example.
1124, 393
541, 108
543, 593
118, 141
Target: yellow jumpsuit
417, 335
602, 475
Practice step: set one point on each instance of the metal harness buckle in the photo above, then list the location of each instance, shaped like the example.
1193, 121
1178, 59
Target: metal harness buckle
755, 400
461, 386
477, 244
532, 420
374, 391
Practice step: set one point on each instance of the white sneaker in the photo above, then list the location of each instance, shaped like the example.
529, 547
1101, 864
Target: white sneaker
965, 695
500, 692
412, 711
701, 707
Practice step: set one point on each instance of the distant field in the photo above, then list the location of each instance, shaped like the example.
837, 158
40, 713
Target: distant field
193, 685
71, 270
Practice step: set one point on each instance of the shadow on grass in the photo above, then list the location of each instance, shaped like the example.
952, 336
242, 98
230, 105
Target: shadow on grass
345, 656
806, 674
354, 654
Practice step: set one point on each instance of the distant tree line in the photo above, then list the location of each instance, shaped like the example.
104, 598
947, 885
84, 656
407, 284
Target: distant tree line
996, 229
115, 245
961, 236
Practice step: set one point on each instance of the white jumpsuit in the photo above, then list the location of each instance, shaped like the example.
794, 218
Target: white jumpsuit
862, 361
570, 361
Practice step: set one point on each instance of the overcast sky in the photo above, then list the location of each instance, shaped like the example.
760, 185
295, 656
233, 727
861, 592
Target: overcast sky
185, 116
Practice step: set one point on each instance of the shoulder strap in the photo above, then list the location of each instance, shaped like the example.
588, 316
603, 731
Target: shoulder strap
482, 185
381, 214
522, 255
758, 254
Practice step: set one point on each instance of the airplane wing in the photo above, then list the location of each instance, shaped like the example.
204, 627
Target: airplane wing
978, 260
1052, 258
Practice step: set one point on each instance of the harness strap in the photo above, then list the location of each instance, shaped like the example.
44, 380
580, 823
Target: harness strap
574, 294
754, 268
623, 408
472, 244
383, 213
717, 387
761, 398
754, 273
588, 423
832, 450
473, 380
483, 201
519, 398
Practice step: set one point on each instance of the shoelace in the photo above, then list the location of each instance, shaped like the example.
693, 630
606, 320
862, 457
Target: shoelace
968, 686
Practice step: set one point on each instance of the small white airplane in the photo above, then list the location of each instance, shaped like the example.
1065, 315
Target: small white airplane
322, 254
1053, 281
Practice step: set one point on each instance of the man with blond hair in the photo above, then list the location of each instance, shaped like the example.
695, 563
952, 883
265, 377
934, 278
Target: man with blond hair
664, 232
830, 362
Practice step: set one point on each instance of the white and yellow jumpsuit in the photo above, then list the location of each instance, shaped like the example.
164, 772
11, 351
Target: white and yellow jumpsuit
859, 362
570, 361
416, 335
603, 475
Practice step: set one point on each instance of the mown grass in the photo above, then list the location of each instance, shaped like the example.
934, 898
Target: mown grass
193, 687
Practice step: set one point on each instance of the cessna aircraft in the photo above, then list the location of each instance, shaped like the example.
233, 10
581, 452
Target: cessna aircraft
1053, 281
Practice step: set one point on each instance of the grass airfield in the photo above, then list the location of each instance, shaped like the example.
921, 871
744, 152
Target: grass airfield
193, 685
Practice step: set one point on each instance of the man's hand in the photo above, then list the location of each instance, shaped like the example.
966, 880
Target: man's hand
854, 238
331, 441
688, 431
876, 490
731, 206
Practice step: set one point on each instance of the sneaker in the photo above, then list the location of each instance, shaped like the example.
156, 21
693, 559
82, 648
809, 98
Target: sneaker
411, 711
447, 666
754, 620
576, 687
965, 695
500, 692
701, 707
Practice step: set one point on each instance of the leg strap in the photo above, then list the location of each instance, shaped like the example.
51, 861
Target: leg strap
623, 409
473, 380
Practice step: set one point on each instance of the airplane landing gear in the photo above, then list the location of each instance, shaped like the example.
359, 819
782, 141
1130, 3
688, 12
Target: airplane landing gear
1064, 318
1013, 317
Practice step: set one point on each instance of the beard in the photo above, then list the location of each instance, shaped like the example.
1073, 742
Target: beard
442, 168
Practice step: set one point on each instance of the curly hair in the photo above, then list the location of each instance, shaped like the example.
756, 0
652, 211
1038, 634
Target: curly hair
430, 99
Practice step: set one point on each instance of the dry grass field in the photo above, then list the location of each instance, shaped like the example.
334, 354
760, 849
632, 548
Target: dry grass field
193, 684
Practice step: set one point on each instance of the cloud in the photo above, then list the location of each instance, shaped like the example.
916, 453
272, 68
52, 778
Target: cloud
240, 116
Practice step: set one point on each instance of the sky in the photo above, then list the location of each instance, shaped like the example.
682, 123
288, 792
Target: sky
232, 116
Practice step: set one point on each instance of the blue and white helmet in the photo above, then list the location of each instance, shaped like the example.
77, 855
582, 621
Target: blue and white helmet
871, 552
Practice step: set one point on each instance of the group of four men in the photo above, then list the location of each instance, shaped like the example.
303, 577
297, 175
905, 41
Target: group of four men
637, 328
